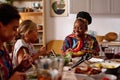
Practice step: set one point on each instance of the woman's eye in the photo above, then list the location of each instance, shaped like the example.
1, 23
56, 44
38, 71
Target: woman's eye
80, 28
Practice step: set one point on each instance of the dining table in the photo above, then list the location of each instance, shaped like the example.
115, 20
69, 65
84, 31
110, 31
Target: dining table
71, 75
111, 68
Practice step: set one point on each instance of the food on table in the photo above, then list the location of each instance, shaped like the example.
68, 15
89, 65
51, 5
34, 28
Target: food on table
105, 78
67, 58
108, 77
108, 66
94, 71
45, 75
75, 54
32, 76
100, 65
89, 70
78, 53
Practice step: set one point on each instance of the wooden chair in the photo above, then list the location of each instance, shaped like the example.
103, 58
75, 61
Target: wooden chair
56, 45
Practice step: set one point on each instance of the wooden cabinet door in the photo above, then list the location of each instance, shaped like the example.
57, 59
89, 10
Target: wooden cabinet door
79, 5
115, 6
100, 6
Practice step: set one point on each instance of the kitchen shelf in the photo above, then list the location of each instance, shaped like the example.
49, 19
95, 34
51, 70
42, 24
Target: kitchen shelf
112, 43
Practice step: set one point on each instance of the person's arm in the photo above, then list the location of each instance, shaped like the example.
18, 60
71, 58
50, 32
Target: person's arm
18, 76
96, 48
21, 54
66, 45
41, 52
24, 60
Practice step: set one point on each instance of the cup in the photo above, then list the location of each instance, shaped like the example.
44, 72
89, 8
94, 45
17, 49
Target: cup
44, 69
109, 53
50, 68
57, 68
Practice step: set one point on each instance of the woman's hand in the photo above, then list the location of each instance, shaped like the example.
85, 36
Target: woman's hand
18, 76
69, 50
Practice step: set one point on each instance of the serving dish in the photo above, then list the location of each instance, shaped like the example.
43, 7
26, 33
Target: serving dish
104, 77
83, 77
106, 64
96, 60
73, 76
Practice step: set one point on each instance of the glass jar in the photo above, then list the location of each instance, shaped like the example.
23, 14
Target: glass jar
45, 69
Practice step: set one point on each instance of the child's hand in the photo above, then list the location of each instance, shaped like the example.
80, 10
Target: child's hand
43, 51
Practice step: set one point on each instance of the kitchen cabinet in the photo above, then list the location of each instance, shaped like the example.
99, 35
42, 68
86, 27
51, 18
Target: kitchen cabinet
115, 6
108, 7
79, 5
35, 11
91, 6
100, 6
113, 43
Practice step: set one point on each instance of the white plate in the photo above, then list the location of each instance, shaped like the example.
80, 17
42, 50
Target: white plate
111, 63
72, 76
106, 64
96, 60
74, 60
101, 76
83, 77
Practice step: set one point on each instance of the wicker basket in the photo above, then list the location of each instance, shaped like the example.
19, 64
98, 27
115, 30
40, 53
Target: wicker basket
99, 38
111, 36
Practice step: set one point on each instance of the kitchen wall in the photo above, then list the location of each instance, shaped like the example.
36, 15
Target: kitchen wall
59, 27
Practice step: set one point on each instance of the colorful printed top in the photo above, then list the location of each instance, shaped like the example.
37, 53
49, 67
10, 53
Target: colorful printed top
90, 43
5, 65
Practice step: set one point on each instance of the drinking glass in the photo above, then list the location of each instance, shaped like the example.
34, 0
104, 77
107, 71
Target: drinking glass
44, 69
109, 53
50, 68
103, 46
57, 68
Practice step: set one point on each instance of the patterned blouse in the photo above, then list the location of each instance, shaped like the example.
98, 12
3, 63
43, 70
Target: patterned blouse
5, 65
90, 43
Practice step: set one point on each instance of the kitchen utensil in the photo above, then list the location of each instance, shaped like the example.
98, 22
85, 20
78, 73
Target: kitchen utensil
85, 57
